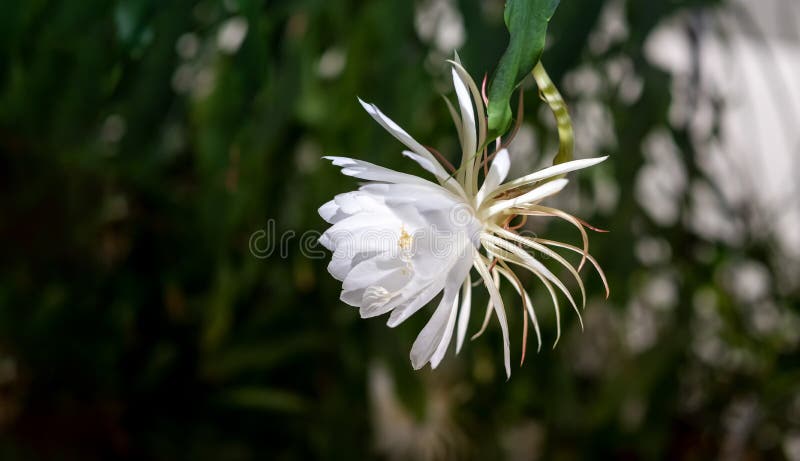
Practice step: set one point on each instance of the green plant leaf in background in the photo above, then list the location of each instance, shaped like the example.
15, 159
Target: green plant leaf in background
526, 21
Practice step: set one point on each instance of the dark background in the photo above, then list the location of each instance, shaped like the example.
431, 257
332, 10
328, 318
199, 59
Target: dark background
142, 145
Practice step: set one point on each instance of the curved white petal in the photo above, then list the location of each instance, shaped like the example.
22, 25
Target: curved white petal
514, 281
535, 265
478, 101
540, 193
328, 211
549, 172
374, 270
499, 309
434, 332
497, 174
369, 171
434, 339
401, 135
444, 344
469, 135
463, 313
410, 307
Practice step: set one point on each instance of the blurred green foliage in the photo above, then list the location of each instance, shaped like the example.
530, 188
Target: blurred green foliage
141, 146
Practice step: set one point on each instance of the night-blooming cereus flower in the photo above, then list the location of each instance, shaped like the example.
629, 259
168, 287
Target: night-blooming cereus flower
401, 240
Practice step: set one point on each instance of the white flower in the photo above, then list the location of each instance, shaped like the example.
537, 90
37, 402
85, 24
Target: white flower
401, 240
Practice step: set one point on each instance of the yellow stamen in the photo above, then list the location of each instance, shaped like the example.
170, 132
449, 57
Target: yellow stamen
404, 242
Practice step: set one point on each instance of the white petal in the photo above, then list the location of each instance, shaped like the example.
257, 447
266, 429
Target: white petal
545, 190
346, 257
328, 210
463, 314
423, 199
372, 271
347, 231
352, 297
467, 119
372, 172
340, 266
426, 164
450, 273
476, 99
401, 135
434, 339
509, 275
511, 236
374, 301
457, 123
549, 172
345, 205
434, 331
325, 241
410, 307
497, 174
534, 265
499, 309
444, 344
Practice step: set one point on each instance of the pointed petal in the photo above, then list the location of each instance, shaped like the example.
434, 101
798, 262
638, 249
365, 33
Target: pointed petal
555, 170
425, 163
497, 301
328, 210
481, 109
534, 263
514, 280
539, 210
547, 251
434, 338
372, 270
497, 174
444, 344
451, 277
489, 307
457, 123
588, 256
470, 137
506, 256
371, 172
395, 130
536, 267
409, 308
540, 193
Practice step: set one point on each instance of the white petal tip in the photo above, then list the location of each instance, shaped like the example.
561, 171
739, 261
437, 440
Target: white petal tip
327, 211
339, 161
367, 106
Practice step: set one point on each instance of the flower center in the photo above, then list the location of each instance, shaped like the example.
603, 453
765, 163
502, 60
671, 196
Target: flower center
404, 242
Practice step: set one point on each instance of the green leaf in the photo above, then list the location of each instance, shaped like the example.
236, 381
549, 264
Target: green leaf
526, 21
